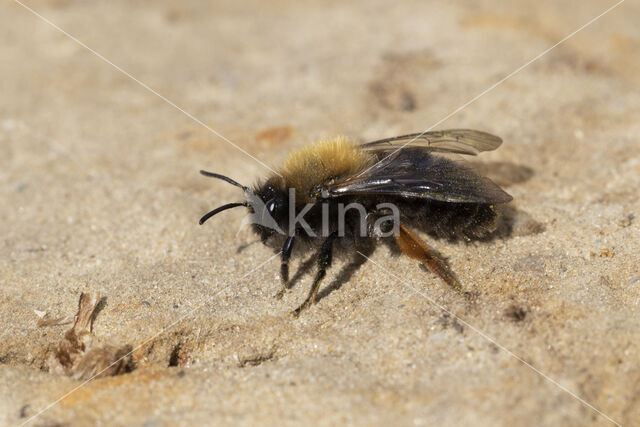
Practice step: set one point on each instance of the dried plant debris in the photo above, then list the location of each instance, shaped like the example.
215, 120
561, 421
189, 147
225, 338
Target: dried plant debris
46, 321
82, 355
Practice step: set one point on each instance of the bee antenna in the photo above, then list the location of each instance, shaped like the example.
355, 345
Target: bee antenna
224, 178
220, 209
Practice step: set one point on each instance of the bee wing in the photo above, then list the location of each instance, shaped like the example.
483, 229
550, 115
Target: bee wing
460, 141
415, 173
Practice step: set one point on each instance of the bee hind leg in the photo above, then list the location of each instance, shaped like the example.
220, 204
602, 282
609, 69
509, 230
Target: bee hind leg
324, 261
414, 247
284, 266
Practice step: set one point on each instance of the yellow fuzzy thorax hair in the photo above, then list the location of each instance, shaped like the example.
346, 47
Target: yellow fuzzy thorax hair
311, 166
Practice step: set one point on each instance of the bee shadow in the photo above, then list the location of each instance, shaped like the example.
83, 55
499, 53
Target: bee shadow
512, 221
304, 268
356, 260
503, 173
515, 222
244, 246
344, 275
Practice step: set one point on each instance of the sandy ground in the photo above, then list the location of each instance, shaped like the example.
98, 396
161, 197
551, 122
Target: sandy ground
101, 193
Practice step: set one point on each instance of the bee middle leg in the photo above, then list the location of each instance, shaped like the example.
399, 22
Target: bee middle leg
324, 261
284, 265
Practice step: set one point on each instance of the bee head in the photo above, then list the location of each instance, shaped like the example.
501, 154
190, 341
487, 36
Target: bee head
267, 204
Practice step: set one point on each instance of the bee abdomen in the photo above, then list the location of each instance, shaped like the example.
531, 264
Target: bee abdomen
454, 221
469, 221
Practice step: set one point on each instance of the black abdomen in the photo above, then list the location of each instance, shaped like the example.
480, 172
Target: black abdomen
451, 221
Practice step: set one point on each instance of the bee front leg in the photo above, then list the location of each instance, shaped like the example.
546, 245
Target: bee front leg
284, 266
324, 261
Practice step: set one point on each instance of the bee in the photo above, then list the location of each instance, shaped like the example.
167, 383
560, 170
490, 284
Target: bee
335, 195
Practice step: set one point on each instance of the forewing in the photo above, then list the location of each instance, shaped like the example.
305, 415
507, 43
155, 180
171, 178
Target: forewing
414, 173
460, 141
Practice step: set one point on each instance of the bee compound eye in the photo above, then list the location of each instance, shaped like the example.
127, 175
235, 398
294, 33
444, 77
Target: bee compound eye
271, 206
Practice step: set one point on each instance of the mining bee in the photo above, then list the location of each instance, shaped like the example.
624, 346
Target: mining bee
335, 194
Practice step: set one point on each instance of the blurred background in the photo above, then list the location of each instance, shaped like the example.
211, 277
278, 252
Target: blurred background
100, 147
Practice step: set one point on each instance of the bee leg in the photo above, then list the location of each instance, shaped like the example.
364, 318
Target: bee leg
414, 247
324, 261
284, 266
